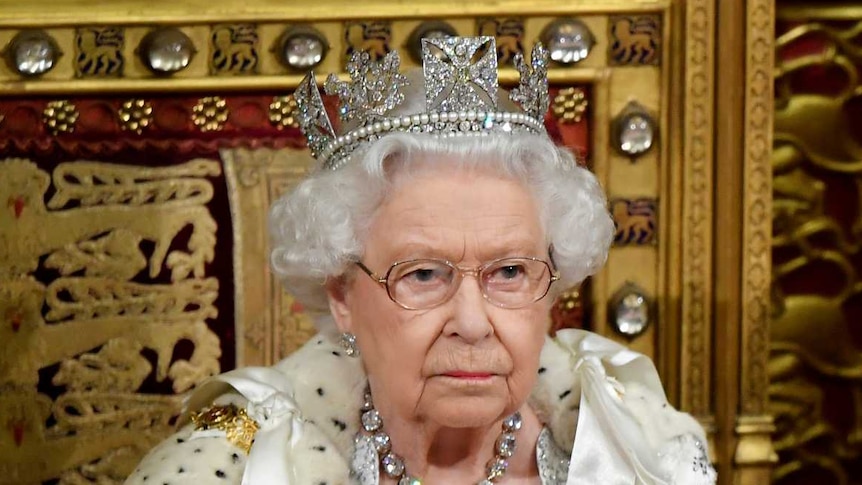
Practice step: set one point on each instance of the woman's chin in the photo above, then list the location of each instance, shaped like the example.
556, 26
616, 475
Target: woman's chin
466, 411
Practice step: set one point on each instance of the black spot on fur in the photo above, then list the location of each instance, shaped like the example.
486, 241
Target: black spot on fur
339, 424
542, 370
565, 394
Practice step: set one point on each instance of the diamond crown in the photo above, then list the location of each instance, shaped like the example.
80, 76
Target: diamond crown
460, 75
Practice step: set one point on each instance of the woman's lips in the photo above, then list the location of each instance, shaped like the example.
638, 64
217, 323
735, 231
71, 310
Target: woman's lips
462, 374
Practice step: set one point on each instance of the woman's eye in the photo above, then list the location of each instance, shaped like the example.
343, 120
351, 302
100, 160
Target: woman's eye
508, 272
423, 275
429, 274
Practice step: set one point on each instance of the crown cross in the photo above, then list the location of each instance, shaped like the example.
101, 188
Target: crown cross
460, 74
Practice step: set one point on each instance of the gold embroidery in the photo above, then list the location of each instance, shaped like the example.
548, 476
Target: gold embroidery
235, 422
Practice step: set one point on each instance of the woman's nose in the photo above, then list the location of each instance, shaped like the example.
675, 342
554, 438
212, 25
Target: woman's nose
470, 319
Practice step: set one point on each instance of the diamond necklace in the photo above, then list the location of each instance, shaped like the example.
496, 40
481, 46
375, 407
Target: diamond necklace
394, 467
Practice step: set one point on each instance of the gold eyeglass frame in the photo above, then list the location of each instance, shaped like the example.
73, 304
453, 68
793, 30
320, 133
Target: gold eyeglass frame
475, 272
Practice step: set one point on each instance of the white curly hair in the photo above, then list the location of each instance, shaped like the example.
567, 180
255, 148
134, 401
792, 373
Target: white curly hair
318, 229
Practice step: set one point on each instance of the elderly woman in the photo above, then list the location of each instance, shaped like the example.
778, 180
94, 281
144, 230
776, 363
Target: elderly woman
441, 225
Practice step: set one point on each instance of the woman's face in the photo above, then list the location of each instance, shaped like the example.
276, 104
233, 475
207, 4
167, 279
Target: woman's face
467, 362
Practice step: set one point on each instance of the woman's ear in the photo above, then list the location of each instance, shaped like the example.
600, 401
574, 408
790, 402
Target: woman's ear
336, 291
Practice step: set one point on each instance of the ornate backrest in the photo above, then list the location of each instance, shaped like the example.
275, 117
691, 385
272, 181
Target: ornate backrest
139, 153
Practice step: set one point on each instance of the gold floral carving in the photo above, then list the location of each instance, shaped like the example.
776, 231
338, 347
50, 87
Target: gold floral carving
99, 51
60, 117
815, 367
283, 111
135, 115
210, 113
238, 427
697, 207
570, 105
96, 330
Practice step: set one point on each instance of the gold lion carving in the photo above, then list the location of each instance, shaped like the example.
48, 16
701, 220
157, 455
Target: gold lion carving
100, 52
635, 221
234, 49
509, 34
636, 40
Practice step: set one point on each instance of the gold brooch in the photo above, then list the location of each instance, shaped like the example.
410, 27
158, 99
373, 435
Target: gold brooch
235, 422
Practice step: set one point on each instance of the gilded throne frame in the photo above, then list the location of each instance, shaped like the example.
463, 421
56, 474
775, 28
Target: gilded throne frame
710, 176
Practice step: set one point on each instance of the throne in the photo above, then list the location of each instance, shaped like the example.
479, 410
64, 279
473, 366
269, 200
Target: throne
139, 153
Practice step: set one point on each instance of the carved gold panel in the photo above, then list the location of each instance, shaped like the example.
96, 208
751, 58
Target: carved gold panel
271, 322
815, 365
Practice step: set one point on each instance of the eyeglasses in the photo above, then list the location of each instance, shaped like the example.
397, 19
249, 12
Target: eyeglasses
421, 284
